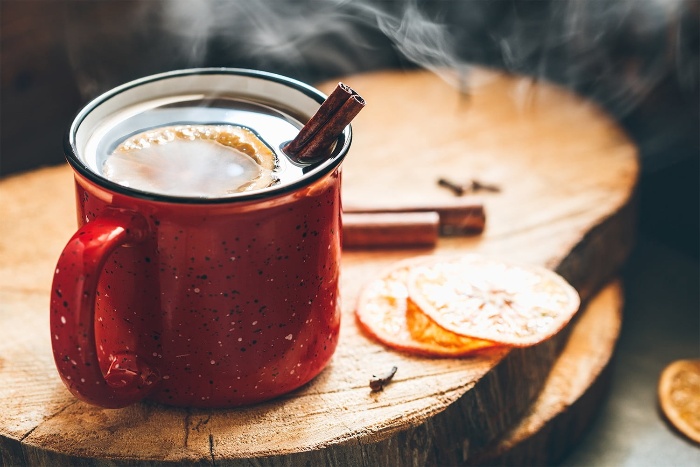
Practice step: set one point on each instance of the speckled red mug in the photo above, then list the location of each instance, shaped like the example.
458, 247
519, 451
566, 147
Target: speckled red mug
188, 301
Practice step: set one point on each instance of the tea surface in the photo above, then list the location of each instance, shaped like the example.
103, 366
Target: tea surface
194, 160
196, 147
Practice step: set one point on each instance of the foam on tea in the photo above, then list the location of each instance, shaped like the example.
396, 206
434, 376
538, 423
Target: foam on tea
193, 160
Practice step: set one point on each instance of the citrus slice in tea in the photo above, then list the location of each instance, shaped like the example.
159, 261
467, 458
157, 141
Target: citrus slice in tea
193, 160
679, 396
384, 312
488, 299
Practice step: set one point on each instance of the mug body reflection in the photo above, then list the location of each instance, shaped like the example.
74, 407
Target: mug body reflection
202, 302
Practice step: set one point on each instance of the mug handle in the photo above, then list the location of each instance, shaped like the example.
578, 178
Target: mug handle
128, 379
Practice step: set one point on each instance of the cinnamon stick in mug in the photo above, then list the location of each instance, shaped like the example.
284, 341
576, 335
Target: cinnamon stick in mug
316, 137
459, 217
395, 230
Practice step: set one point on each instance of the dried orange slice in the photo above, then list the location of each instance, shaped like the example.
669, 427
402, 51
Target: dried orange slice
679, 396
488, 299
384, 312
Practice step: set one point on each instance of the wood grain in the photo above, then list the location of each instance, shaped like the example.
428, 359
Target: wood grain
567, 175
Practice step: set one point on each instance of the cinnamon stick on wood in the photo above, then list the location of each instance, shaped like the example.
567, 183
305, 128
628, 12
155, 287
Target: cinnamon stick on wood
458, 217
390, 230
315, 139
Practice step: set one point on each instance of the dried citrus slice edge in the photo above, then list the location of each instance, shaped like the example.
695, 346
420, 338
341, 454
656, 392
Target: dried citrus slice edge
491, 299
679, 396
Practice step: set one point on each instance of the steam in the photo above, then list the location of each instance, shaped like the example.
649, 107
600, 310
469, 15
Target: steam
614, 52
421, 39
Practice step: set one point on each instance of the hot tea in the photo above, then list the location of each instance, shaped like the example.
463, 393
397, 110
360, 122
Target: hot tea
216, 149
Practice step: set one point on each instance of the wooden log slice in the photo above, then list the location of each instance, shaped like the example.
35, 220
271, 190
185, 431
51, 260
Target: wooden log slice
567, 176
572, 393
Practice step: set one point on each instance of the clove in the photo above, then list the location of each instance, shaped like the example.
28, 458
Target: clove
472, 187
456, 189
377, 383
478, 186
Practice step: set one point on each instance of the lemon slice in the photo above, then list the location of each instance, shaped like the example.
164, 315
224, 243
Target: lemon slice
384, 312
492, 300
679, 396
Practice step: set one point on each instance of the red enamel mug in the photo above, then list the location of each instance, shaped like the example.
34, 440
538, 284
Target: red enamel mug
189, 301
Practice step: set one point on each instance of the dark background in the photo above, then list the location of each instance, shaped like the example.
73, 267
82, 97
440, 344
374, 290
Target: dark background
637, 58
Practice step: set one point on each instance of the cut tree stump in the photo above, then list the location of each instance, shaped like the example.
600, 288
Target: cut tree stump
567, 175
574, 389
